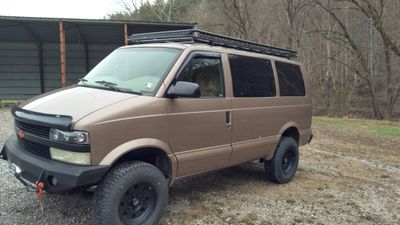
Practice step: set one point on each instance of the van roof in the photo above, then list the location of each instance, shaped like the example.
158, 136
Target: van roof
160, 45
205, 47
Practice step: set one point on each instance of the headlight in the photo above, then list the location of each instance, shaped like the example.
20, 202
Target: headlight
75, 137
79, 158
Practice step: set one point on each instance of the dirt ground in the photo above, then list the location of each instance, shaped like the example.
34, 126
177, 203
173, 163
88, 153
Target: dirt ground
344, 177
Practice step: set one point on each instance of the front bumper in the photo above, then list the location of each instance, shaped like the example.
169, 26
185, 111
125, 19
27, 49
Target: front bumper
33, 168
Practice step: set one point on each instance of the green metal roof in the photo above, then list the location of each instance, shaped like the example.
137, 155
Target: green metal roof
46, 30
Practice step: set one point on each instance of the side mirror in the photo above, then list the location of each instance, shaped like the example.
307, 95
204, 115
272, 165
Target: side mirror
184, 89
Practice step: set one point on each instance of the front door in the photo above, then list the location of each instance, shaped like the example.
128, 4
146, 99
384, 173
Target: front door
200, 134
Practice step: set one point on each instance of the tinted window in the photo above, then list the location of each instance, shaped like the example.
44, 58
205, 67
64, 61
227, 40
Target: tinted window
291, 81
207, 73
251, 77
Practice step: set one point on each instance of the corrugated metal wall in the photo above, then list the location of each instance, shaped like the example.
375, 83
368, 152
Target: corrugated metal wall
76, 62
51, 66
19, 71
19, 67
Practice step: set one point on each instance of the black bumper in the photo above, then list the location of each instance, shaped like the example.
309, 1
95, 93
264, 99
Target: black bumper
35, 168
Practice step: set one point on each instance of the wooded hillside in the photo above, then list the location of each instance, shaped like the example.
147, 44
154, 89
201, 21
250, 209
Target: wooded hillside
350, 48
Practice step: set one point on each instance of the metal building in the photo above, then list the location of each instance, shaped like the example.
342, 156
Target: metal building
41, 54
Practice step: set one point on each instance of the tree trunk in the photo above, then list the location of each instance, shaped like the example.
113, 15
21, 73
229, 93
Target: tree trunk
389, 86
374, 102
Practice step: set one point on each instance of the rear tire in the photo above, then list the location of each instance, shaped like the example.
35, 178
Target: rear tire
133, 193
282, 168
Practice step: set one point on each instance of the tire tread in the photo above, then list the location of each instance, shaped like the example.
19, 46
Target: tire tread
110, 183
272, 167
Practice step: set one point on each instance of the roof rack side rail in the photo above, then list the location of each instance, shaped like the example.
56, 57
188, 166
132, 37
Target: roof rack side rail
199, 36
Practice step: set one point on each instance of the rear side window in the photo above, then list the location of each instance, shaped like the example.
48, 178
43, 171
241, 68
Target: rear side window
252, 77
291, 81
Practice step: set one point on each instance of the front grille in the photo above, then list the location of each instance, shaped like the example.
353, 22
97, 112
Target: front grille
39, 131
35, 148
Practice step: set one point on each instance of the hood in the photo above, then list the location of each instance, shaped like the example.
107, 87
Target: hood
76, 101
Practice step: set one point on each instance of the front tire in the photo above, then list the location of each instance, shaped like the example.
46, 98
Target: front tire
282, 168
132, 193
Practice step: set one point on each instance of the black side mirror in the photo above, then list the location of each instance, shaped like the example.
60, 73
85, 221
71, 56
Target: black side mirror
184, 89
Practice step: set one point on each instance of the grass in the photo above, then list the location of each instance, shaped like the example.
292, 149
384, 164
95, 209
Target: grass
11, 101
375, 127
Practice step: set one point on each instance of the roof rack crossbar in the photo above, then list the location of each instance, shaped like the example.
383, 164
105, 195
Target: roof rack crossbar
198, 36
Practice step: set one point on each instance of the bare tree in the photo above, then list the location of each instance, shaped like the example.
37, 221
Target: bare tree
238, 14
350, 48
129, 5
375, 12
157, 10
292, 9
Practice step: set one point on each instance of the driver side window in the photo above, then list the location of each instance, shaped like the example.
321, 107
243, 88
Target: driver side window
207, 73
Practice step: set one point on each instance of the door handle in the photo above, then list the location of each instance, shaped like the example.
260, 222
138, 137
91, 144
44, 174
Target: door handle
228, 118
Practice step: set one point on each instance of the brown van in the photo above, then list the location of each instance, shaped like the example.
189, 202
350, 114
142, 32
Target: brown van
172, 105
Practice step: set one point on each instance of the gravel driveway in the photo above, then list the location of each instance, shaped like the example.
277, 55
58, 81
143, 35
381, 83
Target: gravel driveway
340, 181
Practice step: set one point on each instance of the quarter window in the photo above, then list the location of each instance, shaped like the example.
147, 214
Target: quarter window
251, 77
291, 81
207, 73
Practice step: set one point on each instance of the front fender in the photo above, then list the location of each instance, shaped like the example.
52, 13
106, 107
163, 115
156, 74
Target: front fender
137, 144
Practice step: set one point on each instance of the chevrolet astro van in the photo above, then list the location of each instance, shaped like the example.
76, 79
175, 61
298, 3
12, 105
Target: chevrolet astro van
172, 105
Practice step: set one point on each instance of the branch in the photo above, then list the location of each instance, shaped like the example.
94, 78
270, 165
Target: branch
352, 68
346, 34
372, 13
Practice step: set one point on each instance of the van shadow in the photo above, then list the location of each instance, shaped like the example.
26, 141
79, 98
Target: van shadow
218, 182
74, 208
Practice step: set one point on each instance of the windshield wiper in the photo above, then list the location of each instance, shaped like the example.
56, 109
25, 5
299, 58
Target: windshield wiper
110, 85
106, 83
115, 87
82, 81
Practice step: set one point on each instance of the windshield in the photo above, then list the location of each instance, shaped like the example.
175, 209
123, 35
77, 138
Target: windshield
136, 70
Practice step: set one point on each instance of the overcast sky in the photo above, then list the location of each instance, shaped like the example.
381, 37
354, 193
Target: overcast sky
88, 9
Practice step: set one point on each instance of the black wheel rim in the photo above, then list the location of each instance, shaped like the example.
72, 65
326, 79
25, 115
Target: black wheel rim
288, 161
138, 203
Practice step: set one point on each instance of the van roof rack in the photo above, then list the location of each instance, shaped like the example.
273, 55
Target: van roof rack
199, 36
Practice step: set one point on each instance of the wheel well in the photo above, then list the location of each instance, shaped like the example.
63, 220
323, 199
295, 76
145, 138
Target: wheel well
293, 133
153, 156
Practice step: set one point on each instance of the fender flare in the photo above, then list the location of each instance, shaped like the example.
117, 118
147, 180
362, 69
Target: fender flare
288, 125
137, 144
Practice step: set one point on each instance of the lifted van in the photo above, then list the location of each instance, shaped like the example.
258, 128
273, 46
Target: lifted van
172, 105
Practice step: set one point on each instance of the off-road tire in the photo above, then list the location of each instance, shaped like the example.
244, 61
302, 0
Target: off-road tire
116, 189
276, 170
